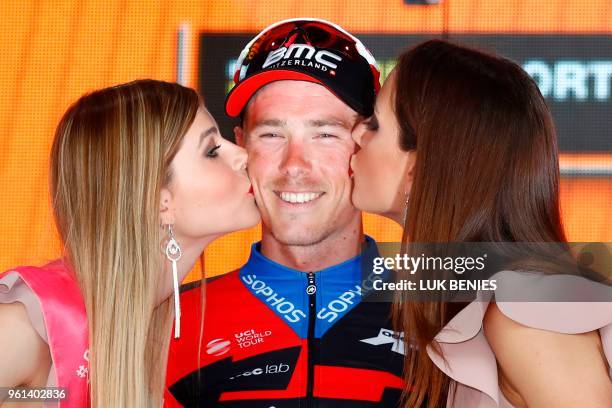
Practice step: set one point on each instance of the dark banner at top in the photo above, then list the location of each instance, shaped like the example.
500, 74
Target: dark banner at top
572, 71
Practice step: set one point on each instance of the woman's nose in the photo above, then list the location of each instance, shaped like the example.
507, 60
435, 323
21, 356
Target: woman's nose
240, 159
357, 134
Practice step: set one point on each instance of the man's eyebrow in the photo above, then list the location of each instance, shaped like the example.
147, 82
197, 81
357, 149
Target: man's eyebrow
270, 122
211, 130
332, 121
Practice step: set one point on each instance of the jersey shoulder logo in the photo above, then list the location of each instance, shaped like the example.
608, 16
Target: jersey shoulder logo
386, 336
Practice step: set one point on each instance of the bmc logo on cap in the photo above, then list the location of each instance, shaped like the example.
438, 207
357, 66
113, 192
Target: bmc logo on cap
323, 57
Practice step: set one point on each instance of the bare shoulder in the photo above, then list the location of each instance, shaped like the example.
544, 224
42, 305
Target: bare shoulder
547, 368
23, 353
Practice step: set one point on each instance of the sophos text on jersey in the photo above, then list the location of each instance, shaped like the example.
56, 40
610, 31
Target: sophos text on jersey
412, 264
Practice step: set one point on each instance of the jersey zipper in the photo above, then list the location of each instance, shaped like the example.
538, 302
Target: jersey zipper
311, 291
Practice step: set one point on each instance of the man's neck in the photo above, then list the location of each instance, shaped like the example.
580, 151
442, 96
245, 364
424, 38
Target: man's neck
336, 248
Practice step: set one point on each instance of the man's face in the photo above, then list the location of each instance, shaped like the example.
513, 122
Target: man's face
298, 138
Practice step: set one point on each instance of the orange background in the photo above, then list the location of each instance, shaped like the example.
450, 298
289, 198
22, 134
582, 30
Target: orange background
54, 51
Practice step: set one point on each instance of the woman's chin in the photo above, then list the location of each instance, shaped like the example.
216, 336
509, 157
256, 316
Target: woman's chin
251, 222
371, 208
244, 224
397, 218
392, 216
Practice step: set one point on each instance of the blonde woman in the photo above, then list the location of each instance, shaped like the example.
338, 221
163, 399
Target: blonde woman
141, 182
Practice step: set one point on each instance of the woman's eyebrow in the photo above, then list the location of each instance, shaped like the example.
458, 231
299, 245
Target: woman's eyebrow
206, 133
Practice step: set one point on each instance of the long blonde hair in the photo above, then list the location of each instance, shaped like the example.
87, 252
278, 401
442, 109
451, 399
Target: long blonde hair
110, 157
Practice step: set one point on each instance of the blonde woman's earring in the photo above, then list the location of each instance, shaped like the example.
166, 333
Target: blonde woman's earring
174, 253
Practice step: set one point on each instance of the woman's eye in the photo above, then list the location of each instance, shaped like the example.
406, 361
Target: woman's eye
371, 123
327, 136
213, 152
269, 135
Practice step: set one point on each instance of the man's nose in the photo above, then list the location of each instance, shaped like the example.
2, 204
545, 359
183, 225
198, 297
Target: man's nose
295, 160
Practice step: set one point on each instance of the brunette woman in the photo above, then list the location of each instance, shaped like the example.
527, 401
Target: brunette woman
462, 148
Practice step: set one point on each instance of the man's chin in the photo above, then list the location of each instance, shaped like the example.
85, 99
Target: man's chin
295, 237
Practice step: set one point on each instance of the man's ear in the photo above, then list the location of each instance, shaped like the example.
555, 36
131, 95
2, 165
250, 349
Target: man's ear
239, 135
166, 207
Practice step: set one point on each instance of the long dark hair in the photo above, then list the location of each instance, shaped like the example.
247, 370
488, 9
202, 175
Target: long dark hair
486, 171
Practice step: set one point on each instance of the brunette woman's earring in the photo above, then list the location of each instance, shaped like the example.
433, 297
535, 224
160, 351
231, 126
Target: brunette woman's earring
405, 209
174, 253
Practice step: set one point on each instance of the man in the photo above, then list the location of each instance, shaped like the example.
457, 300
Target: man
290, 328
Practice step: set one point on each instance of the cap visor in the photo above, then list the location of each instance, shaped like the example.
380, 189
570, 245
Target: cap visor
241, 93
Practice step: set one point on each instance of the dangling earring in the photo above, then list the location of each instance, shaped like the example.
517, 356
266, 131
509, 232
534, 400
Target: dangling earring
405, 209
174, 253
404, 244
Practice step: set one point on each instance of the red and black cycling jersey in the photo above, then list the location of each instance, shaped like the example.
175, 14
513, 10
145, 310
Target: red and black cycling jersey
278, 337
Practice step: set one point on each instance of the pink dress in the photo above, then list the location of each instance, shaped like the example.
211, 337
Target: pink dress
469, 358
55, 307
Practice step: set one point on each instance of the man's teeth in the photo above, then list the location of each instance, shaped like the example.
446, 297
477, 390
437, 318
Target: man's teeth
299, 197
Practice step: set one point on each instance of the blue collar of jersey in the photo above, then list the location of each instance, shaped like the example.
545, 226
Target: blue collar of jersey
283, 289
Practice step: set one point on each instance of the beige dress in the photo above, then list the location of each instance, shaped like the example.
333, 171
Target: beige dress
14, 289
469, 358
55, 308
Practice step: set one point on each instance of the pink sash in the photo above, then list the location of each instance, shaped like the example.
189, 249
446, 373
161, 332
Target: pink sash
65, 322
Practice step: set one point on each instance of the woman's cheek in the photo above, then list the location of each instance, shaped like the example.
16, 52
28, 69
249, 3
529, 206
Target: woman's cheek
220, 182
366, 165
208, 203
377, 179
